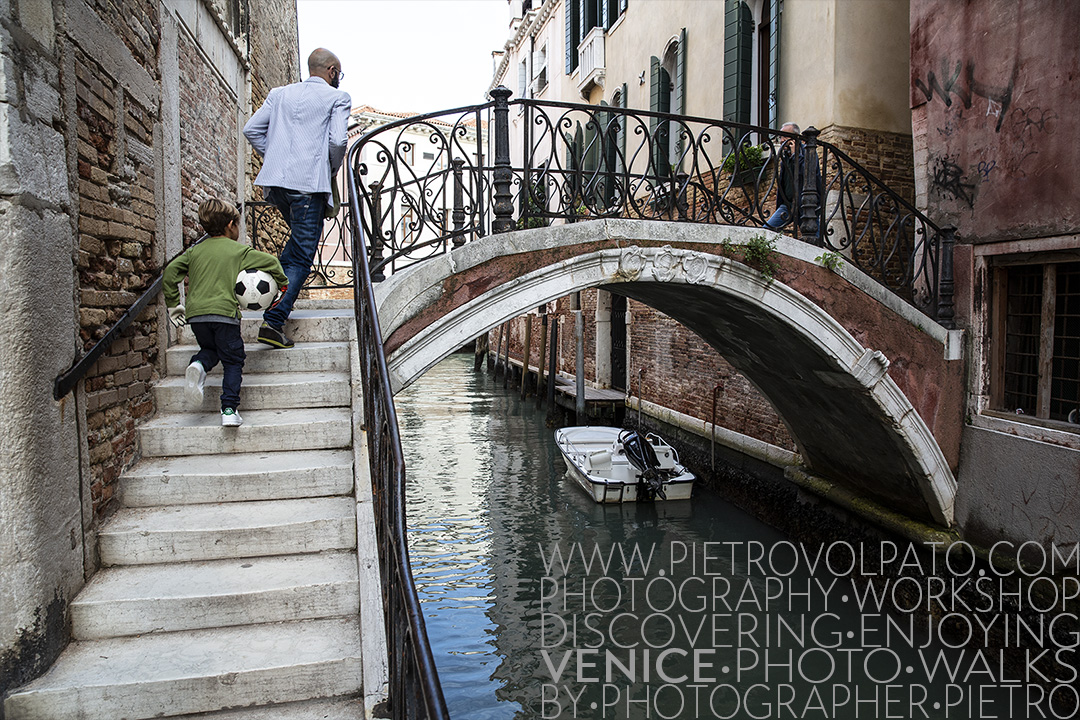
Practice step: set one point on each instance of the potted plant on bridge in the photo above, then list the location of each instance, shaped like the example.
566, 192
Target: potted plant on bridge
744, 164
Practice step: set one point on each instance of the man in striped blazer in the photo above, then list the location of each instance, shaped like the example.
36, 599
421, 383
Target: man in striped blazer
301, 133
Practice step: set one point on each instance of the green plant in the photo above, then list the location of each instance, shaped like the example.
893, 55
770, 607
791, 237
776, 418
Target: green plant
830, 260
749, 158
759, 254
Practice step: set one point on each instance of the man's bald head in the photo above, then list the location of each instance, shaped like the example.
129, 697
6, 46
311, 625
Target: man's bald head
325, 64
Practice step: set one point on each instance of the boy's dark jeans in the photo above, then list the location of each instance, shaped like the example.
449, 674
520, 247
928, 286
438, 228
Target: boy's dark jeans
222, 341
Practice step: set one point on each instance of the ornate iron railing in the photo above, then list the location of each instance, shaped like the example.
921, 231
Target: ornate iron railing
414, 682
571, 162
333, 265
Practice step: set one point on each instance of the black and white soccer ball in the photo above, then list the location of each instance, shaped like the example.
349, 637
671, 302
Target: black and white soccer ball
255, 289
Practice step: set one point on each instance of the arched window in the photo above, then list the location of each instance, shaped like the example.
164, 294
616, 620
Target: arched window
667, 94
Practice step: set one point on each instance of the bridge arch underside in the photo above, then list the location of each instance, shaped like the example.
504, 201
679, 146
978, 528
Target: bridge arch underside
851, 422
843, 430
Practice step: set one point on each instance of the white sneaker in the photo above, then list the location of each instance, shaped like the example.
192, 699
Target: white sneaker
231, 418
196, 381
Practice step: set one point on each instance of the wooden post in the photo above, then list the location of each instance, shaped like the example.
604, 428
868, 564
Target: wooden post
540, 357
579, 364
480, 351
506, 357
494, 363
526, 356
553, 351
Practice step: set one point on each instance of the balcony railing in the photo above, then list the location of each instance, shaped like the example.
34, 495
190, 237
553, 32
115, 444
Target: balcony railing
591, 68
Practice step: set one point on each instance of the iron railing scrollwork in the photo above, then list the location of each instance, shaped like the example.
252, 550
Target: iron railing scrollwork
333, 265
414, 690
568, 162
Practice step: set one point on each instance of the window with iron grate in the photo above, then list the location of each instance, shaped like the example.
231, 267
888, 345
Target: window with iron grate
1037, 372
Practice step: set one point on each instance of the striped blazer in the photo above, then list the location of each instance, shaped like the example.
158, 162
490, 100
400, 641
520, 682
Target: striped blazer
301, 132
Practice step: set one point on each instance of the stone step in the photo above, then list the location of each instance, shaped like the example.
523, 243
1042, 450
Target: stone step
262, 431
136, 600
261, 391
196, 671
340, 708
315, 325
184, 533
305, 357
195, 479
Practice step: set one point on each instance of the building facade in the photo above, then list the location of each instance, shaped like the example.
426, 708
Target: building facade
990, 97
116, 121
924, 97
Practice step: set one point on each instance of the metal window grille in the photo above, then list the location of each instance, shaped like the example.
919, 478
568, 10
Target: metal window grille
1065, 366
1022, 322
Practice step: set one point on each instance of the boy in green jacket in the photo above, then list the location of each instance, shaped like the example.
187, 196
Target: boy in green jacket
212, 309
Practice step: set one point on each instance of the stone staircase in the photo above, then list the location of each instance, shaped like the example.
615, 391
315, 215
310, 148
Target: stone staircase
231, 585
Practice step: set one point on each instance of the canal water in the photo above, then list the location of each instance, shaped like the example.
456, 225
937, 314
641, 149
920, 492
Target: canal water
540, 603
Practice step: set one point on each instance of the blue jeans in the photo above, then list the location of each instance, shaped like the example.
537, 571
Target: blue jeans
304, 214
780, 218
222, 341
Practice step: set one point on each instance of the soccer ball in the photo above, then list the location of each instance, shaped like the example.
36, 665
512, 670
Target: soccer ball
255, 289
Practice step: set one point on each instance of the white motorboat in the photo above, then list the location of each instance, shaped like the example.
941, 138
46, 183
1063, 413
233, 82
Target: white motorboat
614, 465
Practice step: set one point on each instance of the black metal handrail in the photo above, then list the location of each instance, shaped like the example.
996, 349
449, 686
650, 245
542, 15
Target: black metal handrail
415, 691
67, 380
588, 161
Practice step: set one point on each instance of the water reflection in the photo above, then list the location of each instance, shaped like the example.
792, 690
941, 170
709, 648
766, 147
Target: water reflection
488, 505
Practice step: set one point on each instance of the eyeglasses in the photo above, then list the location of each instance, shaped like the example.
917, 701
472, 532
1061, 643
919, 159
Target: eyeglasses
341, 75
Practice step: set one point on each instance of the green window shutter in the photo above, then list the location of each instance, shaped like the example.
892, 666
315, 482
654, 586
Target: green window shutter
738, 60
679, 101
622, 124
774, 63
659, 101
571, 35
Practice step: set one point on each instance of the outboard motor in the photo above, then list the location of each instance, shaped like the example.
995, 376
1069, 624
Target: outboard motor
641, 455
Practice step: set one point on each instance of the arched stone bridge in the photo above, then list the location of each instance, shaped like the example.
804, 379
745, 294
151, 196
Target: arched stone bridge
869, 387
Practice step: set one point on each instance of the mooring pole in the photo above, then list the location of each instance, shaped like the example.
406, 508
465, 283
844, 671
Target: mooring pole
493, 364
553, 344
527, 356
480, 352
579, 365
540, 387
506, 356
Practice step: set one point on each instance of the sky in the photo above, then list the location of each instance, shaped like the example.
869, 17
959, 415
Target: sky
408, 55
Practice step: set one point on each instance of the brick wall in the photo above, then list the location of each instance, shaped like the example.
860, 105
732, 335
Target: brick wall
889, 156
137, 24
208, 132
115, 264
681, 372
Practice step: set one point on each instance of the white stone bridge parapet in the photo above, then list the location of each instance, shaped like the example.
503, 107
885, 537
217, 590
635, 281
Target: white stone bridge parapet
870, 388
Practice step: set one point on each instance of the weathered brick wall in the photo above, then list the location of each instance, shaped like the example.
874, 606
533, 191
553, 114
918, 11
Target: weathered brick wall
208, 128
115, 263
274, 62
137, 24
889, 156
681, 372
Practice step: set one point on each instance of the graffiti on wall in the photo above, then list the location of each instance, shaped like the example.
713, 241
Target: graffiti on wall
1027, 131
959, 80
949, 180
